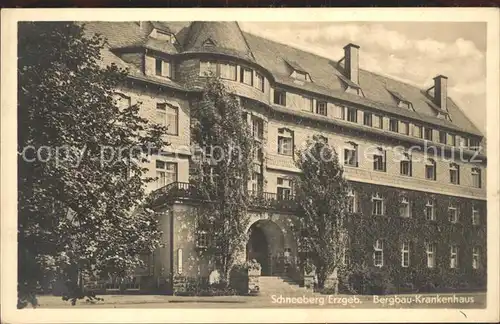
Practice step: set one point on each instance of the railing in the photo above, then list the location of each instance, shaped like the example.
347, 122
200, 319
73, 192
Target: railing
258, 199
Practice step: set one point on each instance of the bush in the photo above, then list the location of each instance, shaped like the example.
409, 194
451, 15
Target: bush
238, 279
371, 281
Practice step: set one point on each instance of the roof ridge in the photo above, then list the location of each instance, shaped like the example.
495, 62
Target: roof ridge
407, 82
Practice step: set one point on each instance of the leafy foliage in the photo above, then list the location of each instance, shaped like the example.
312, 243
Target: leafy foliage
392, 229
79, 197
221, 174
322, 196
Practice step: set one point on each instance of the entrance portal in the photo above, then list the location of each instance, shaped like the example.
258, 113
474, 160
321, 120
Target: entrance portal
265, 245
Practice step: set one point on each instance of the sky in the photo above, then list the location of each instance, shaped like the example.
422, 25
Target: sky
413, 52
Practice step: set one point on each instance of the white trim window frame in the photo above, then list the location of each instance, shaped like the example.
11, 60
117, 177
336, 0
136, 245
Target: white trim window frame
378, 253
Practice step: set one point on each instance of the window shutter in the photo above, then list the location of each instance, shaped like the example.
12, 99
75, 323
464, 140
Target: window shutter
166, 69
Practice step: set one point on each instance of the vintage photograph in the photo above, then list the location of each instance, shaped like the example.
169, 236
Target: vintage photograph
252, 164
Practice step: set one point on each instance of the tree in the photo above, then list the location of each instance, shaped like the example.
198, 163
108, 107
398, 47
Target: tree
322, 196
80, 176
221, 175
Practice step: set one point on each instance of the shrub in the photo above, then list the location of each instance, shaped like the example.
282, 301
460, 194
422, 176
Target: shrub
238, 279
371, 281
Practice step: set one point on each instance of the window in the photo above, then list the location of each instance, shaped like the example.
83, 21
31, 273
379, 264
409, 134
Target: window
378, 122
352, 201
475, 215
351, 154
166, 172
451, 139
454, 173
476, 177
280, 97
259, 81
257, 152
405, 254
405, 208
462, 141
257, 128
431, 255
367, 119
430, 214
428, 134
169, 117
393, 125
453, 256
158, 66
474, 144
404, 128
406, 165
379, 160
285, 142
377, 204
321, 108
246, 76
475, 257
452, 214
430, 169
301, 76
378, 253
201, 239
352, 115
208, 68
417, 131
227, 71
284, 190
442, 137
256, 182
307, 104
338, 112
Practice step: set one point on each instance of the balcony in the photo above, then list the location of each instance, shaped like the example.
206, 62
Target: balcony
258, 200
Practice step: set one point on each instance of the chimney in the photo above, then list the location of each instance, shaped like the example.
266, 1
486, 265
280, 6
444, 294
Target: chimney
351, 55
440, 91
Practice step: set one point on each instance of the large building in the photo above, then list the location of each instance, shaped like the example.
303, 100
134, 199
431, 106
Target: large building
416, 163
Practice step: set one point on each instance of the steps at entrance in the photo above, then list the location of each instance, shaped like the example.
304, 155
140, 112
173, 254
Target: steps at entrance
282, 286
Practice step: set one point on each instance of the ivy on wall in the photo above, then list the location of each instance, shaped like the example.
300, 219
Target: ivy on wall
392, 229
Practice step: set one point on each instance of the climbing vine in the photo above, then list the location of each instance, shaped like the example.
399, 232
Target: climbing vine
392, 229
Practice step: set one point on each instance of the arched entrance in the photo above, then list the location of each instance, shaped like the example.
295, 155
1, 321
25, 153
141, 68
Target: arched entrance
266, 245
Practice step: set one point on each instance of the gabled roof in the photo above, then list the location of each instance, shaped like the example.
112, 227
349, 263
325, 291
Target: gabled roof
277, 59
327, 80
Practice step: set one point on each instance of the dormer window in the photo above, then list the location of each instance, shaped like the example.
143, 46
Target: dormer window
163, 35
302, 76
208, 43
298, 72
401, 101
350, 86
158, 66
